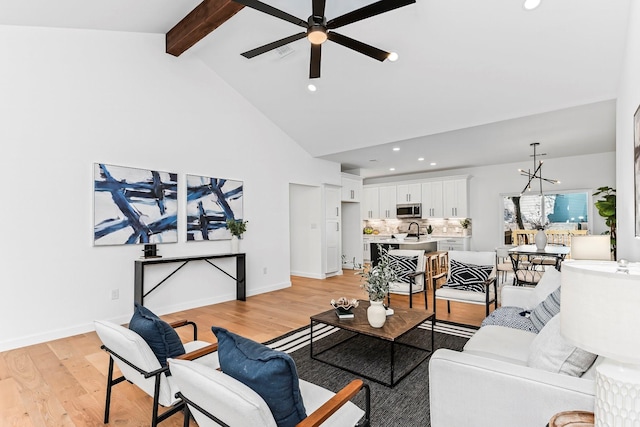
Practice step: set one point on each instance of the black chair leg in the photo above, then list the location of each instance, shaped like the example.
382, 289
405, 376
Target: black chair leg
107, 403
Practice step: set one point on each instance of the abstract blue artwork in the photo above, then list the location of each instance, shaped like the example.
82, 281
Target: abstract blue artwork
134, 206
210, 203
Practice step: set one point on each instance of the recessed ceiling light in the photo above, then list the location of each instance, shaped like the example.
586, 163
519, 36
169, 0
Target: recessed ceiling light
396, 148
392, 169
531, 4
393, 56
433, 163
420, 159
312, 87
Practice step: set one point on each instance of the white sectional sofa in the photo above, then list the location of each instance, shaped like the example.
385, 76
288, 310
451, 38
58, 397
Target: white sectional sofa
489, 383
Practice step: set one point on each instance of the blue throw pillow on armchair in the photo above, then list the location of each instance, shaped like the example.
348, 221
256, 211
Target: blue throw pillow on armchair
270, 373
161, 337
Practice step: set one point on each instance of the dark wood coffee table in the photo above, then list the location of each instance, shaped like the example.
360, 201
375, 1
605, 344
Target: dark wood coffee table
397, 326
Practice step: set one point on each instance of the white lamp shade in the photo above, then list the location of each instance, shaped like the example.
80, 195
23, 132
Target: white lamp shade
600, 308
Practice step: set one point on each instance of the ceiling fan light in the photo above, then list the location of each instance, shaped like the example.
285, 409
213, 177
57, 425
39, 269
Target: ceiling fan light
317, 34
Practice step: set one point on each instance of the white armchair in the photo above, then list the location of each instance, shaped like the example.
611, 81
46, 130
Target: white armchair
140, 366
483, 259
414, 279
217, 399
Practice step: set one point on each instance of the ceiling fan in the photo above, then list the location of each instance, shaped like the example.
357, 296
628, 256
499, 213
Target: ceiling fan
318, 29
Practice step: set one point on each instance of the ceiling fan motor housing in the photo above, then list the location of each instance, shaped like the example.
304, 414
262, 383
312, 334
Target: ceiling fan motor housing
317, 29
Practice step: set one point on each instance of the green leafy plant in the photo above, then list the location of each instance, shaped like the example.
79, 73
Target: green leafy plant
237, 228
606, 206
378, 277
465, 223
429, 229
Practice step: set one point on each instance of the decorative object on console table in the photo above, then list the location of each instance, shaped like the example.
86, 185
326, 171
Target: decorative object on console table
377, 279
237, 229
599, 305
150, 251
344, 307
133, 206
210, 203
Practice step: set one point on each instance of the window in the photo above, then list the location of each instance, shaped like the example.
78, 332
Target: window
556, 211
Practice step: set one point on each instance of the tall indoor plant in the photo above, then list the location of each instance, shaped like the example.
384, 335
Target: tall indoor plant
607, 209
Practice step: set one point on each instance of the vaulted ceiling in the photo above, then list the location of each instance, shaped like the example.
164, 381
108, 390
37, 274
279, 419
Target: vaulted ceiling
475, 84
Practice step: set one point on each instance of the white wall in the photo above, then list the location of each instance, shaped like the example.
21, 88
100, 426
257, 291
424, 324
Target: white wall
305, 230
69, 98
628, 101
488, 184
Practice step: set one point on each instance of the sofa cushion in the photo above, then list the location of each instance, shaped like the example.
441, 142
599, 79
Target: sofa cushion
550, 352
510, 317
468, 277
501, 343
404, 266
159, 335
271, 374
549, 282
544, 311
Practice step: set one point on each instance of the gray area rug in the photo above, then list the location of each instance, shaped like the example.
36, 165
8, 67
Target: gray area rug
407, 403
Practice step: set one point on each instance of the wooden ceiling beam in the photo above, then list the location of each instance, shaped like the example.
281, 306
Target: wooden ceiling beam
201, 21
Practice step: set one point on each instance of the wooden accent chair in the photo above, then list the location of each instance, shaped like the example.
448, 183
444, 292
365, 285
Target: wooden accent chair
140, 366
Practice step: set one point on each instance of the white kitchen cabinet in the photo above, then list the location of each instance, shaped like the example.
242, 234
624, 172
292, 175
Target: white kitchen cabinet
432, 202
454, 244
351, 188
366, 248
332, 202
455, 198
408, 193
332, 234
370, 203
387, 199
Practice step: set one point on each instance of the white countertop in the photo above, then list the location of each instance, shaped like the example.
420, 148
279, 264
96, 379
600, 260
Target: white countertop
409, 241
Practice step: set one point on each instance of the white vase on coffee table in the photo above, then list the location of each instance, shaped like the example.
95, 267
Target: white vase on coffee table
376, 314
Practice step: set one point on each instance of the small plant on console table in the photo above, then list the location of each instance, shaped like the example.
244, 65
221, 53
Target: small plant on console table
236, 227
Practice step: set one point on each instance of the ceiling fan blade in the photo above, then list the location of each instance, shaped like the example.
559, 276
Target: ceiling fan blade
363, 48
273, 45
314, 66
270, 10
367, 12
318, 7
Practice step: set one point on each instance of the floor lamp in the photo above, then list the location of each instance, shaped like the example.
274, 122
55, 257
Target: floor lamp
601, 314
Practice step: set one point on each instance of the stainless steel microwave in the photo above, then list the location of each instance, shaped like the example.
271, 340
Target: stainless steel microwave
410, 210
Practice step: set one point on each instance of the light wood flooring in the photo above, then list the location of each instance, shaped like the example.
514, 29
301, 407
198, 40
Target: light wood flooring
62, 382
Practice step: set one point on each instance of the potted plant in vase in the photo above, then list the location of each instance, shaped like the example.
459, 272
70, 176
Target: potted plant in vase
376, 284
465, 223
236, 228
429, 231
607, 209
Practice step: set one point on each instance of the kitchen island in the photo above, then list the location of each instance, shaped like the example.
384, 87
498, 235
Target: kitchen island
427, 244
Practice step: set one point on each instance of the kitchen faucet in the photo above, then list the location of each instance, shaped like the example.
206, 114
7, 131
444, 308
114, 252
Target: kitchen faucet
409, 229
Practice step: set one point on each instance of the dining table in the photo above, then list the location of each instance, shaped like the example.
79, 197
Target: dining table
529, 262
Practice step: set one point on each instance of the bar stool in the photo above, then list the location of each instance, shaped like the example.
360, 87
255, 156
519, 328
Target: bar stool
443, 261
433, 265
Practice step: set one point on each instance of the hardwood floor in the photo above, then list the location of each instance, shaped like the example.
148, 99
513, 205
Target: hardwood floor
62, 382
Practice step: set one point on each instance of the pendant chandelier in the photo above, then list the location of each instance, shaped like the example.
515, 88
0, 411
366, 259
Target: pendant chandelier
537, 171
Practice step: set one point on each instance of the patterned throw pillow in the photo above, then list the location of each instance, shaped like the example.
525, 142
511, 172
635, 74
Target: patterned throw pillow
404, 265
468, 277
546, 310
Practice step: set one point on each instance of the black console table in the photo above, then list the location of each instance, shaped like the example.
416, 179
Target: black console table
140, 264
